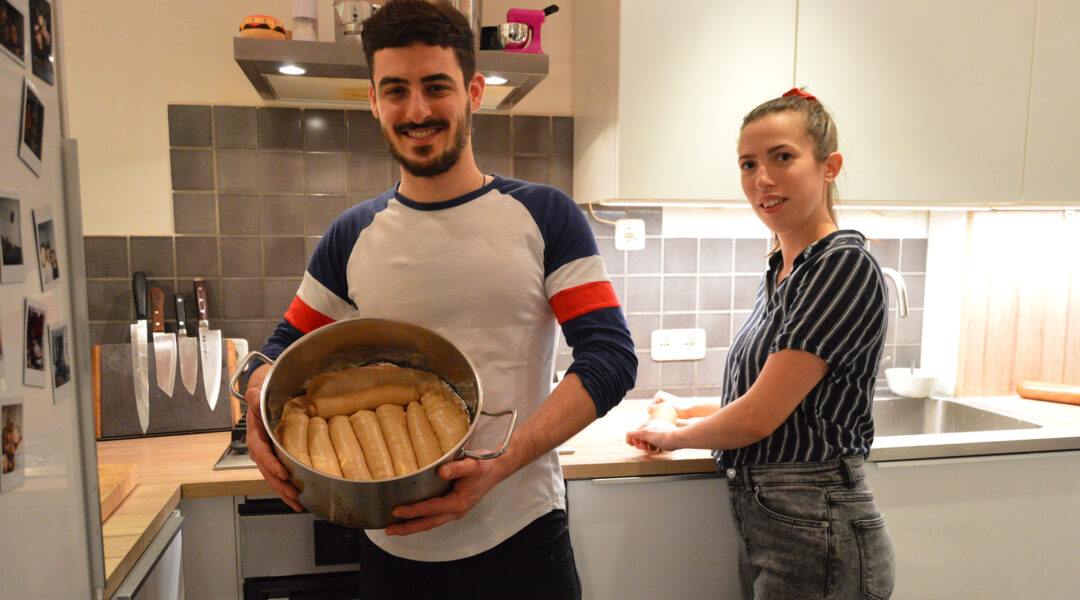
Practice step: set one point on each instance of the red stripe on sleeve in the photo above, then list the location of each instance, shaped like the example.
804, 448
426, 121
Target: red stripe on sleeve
576, 301
305, 318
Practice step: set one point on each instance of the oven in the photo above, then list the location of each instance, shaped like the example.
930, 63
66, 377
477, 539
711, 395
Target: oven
285, 554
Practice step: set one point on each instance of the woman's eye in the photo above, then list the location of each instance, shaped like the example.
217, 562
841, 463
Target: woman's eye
746, 166
783, 157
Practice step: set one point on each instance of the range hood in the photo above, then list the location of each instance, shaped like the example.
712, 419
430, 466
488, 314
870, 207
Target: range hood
336, 73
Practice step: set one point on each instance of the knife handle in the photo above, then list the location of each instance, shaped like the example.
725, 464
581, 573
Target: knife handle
181, 313
200, 298
138, 289
157, 309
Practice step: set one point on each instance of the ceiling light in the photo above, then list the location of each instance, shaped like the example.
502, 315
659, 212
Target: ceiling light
494, 80
291, 70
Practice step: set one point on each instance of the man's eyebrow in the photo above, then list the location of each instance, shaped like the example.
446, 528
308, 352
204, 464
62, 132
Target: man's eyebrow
425, 79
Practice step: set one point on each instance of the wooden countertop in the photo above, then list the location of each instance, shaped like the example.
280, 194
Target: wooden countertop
181, 466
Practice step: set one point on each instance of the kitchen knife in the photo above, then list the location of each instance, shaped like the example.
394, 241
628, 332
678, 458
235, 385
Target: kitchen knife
189, 347
164, 343
139, 368
209, 347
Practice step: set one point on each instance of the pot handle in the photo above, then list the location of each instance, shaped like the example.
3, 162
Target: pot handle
240, 369
506, 441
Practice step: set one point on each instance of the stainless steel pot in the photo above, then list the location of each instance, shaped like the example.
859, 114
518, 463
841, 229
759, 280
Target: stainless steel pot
352, 342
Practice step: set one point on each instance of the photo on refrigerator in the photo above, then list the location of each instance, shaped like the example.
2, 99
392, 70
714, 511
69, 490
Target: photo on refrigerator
13, 473
47, 251
12, 28
11, 265
60, 354
34, 372
32, 137
41, 39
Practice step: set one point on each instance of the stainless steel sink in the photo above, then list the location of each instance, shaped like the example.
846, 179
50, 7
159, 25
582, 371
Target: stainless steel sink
913, 416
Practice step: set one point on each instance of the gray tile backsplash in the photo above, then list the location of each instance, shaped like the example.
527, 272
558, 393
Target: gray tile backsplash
677, 283
254, 188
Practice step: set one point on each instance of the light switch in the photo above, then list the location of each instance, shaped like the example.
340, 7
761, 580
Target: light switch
630, 234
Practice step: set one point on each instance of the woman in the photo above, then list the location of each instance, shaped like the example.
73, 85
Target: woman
794, 422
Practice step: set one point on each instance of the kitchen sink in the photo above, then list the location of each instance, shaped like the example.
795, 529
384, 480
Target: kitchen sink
913, 416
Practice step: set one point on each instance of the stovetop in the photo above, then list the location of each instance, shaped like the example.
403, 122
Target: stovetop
236, 455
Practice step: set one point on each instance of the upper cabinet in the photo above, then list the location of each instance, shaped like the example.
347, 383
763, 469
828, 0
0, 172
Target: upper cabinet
661, 90
1053, 141
930, 97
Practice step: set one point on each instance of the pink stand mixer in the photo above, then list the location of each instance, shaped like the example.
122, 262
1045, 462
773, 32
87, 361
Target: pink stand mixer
533, 19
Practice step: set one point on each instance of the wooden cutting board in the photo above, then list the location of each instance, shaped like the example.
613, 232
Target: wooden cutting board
115, 482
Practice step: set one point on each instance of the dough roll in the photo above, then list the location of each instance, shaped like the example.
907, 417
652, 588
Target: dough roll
424, 441
349, 453
366, 399
321, 449
396, 433
356, 379
366, 426
448, 419
294, 437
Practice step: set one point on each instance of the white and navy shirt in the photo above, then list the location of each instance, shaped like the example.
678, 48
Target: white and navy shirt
833, 304
494, 271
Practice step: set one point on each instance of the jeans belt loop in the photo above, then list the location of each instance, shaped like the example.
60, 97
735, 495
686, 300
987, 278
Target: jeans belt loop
746, 476
849, 470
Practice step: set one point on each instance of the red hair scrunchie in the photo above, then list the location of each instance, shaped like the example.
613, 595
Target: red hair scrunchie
800, 93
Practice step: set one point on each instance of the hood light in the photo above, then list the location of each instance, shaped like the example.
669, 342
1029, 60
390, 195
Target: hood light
494, 80
291, 70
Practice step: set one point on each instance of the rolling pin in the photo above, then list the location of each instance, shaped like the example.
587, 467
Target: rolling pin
661, 412
1051, 392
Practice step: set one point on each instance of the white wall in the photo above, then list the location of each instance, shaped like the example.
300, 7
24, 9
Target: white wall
122, 74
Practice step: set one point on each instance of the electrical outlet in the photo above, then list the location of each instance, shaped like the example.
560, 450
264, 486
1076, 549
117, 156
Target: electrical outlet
678, 344
629, 234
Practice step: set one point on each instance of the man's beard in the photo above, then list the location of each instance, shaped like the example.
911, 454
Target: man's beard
441, 163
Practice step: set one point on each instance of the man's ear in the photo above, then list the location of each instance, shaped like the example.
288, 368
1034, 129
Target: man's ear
371, 98
476, 91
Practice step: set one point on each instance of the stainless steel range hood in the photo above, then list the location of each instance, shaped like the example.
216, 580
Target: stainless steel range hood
337, 72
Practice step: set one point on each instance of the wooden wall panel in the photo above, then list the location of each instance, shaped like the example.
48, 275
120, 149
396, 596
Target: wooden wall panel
1021, 317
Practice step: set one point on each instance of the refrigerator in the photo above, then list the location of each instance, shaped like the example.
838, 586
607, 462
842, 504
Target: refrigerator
50, 526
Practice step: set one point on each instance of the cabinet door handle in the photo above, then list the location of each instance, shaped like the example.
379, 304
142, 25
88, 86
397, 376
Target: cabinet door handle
654, 478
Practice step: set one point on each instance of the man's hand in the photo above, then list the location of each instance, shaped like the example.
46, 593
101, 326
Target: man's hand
472, 479
259, 448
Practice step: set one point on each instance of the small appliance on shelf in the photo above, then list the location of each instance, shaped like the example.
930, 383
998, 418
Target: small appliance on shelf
521, 32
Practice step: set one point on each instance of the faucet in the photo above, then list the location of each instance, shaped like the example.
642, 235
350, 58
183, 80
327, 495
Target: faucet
901, 289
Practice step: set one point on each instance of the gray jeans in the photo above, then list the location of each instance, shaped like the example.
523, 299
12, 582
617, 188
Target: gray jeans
810, 530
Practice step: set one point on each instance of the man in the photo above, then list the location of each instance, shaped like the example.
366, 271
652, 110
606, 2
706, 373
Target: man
493, 263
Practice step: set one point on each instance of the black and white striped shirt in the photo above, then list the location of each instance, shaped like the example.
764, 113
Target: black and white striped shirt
833, 304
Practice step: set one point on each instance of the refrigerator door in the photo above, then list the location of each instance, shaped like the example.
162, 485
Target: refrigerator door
49, 505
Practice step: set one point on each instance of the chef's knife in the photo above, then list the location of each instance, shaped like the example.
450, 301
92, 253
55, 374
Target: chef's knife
139, 368
164, 343
209, 347
189, 347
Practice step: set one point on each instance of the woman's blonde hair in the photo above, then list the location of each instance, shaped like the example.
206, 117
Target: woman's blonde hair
820, 129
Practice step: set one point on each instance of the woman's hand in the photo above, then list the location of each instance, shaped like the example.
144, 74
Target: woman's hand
683, 406
658, 433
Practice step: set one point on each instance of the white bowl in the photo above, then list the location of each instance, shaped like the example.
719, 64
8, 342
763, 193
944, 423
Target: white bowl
917, 383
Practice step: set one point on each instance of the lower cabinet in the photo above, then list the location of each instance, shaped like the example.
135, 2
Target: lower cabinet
665, 536
1001, 526
158, 574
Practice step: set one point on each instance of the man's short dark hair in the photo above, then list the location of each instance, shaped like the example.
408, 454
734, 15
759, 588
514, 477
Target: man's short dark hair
401, 23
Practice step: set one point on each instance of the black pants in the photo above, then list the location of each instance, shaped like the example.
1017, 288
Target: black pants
536, 562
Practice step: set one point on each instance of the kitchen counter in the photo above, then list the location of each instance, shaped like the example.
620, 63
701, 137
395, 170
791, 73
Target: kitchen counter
175, 467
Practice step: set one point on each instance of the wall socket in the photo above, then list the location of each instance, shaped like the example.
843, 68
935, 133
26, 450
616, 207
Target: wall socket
678, 344
630, 234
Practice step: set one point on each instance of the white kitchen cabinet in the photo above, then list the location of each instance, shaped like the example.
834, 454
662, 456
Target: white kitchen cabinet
668, 536
210, 557
930, 97
983, 527
661, 90
1053, 141
158, 574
